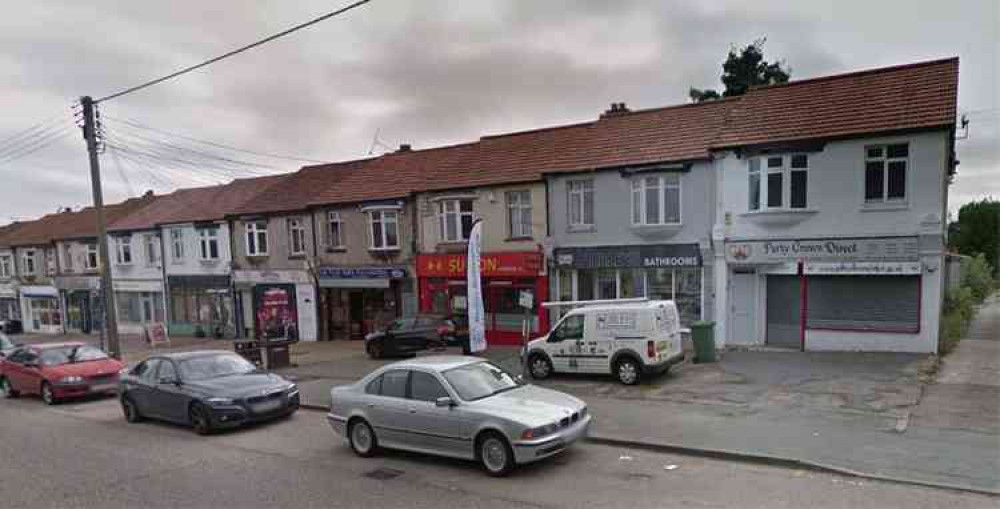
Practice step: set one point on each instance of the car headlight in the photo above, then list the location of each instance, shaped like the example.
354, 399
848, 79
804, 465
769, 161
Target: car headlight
293, 390
71, 380
220, 401
539, 432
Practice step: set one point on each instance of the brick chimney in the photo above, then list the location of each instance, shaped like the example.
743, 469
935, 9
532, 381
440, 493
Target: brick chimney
616, 110
404, 147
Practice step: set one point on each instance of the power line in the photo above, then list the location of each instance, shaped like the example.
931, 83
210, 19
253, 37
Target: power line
133, 123
121, 173
234, 52
186, 150
35, 145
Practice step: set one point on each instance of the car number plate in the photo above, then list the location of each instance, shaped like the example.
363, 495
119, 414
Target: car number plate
267, 406
103, 387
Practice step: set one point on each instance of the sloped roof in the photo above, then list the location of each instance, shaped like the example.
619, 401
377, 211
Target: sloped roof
196, 204
70, 225
912, 96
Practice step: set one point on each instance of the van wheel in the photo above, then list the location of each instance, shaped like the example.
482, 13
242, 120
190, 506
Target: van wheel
539, 366
375, 350
627, 371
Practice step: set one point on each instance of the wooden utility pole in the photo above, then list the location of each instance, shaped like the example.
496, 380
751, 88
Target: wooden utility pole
107, 288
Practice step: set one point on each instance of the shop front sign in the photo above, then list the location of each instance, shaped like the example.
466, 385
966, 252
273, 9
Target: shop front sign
253, 277
137, 286
8, 291
362, 273
614, 257
862, 249
863, 268
492, 265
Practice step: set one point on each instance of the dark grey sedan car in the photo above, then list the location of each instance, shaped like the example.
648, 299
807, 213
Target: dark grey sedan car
207, 390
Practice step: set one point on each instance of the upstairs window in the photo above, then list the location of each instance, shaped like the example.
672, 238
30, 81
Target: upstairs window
208, 242
455, 220
782, 184
297, 237
656, 200
152, 248
256, 238
581, 203
519, 214
384, 229
91, 260
5, 267
123, 250
885, 173
67, 258
177, 245
334, 230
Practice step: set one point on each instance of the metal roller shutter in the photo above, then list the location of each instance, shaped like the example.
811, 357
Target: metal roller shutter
881, 303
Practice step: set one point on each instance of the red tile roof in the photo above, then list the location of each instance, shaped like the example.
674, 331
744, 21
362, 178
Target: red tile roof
912, 96
69, 225
196, 204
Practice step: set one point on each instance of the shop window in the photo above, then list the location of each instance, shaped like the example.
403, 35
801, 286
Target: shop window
140, 307
681, 285
581, 202
90, 262
455, 220
6, 271
334, 230
864, 303
45, 312
384, 229
28, 262
296, 237
519, 214
208, 242
885, 173
656, 200
256, 238
177, 245
123, 250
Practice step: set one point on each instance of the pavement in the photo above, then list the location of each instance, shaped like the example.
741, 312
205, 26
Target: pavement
84, 455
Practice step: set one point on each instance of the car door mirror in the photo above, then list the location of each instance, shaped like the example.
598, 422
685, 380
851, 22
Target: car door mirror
519, 379
444, 402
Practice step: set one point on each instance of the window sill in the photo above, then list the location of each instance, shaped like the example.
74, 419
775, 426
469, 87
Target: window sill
337, 249
779, 217
257, 257
519, 239
209, 261
657, 230
384, 250
297, 256
884, 206
453, 243
583, 228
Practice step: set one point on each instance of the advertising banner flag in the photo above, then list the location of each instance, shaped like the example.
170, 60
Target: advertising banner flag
477, 314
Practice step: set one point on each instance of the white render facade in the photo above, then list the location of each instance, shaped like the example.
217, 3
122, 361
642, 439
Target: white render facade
197, 264
137, 269
845, 255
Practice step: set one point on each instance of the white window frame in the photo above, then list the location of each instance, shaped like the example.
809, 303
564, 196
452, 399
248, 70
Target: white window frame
255, 232
151, 249
296, 237
519, 204
29, 263
575, 283
5, 267
786, 171
885, 160
451, 209
177, 245
382, 217
92, 250
334, 241
579, 189
754, 173
639, 188
67, 257
123, 250
208, 237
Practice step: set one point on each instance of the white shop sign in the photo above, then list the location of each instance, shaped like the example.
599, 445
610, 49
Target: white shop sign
137, 286
862, 249
271, 276
864, 268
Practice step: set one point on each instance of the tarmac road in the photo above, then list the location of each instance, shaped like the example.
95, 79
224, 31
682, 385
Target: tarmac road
86, 455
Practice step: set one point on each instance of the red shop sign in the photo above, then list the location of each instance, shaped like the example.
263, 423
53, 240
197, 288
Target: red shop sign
494, 265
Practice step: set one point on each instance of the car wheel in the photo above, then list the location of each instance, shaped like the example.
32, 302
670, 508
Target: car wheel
6, 389
539, 366
361, 436
47, 395
627, 371
130, 411
376, 350
201, 421
495, 454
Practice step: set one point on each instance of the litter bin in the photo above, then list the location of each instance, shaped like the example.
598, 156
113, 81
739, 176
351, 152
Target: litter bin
703, 337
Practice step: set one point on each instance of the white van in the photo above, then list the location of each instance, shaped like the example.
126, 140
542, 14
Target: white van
625, 338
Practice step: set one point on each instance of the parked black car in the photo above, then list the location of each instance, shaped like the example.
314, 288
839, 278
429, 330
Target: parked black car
413, 334
207, 390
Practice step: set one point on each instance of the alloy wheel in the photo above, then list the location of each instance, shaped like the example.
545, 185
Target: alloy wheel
362, 439
628, 372
494, 455
540, 367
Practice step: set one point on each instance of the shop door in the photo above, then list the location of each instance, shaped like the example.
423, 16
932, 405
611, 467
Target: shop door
357, 314
784, 312
742, 303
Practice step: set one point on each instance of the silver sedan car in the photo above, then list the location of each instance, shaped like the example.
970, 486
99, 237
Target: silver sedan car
461, 407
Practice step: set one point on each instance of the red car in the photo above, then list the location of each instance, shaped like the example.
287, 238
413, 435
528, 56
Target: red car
59, 371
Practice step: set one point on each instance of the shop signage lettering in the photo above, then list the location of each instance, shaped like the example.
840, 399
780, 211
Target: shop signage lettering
869, 249
862, 268
362, 273
663, 255
497, 264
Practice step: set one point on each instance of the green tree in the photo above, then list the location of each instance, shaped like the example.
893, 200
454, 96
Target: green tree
745, 67
977, 230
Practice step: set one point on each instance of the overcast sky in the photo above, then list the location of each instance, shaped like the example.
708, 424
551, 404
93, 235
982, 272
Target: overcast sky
428, 73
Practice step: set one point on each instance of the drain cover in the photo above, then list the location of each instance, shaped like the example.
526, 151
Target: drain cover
384, 474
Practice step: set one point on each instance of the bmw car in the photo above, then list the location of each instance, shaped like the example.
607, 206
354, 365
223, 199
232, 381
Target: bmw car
457, 406
207, 390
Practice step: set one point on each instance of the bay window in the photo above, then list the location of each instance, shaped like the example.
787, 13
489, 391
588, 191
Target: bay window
384, 229
256, 232
656, 200
455, 218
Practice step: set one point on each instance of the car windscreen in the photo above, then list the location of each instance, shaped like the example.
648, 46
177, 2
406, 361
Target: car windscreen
479, 380
71, 355
205, 367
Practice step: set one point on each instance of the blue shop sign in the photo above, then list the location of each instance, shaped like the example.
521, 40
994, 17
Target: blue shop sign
362, 273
